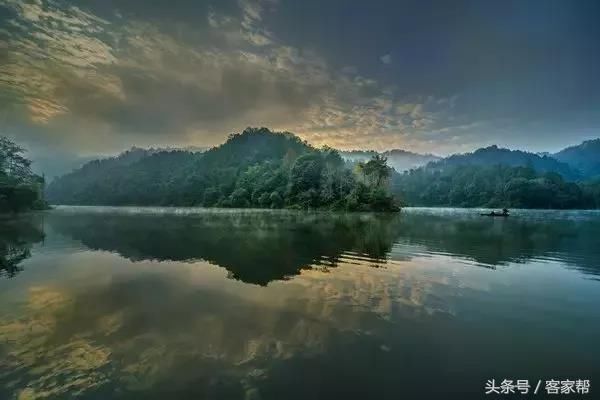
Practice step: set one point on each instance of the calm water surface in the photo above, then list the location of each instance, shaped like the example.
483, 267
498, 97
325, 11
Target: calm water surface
130, 303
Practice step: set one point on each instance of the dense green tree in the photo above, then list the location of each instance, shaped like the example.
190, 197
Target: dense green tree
375, 170
239, 198
20, 189
276, 200
591, 193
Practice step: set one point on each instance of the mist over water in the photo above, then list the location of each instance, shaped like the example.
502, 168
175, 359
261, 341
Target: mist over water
194, 303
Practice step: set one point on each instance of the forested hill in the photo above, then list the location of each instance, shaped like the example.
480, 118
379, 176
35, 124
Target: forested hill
400, 160
134, 177
493, 186
496, 177
584, 157
257, 168
494, 155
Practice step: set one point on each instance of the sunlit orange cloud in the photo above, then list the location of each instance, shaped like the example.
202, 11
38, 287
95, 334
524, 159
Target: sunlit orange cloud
42, 111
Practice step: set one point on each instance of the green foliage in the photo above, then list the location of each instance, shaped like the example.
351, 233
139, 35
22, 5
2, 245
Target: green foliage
20, 189
591, 193
375, 171
257, 168
276, 200
493, 186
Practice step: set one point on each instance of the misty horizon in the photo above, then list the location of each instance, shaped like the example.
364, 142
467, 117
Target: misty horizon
53, 167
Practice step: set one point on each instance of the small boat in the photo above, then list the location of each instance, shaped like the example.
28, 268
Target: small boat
494, 214
503, 213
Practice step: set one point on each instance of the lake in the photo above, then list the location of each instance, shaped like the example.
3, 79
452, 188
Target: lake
155, 303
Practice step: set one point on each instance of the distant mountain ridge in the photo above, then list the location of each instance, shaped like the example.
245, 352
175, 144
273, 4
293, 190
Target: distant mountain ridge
494, 155
55, 166
87, 184
578, 162
400, 160
584, 157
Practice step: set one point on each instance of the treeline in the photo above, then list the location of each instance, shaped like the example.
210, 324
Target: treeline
257, 168
20, 188
493, 186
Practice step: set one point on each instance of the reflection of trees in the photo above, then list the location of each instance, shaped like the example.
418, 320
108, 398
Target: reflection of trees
255, 247
16, 238
498, 242
258, 247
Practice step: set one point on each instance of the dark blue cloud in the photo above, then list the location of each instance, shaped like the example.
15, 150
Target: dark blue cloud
532, 62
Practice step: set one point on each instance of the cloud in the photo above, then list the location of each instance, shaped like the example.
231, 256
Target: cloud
252, 30
386, 59
45, 43
101, 84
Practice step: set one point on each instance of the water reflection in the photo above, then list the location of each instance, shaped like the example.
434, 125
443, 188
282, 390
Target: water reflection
141, 305
259, 247
17, 236
255, 247
180, 332
530, 235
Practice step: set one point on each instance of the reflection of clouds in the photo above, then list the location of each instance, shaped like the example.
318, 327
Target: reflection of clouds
41, 298
395, 291
137, 325
52, 367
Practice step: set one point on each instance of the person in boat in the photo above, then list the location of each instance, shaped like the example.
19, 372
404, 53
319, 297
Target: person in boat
504, 213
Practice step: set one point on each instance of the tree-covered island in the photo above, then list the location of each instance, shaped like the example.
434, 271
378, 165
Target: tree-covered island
257, 168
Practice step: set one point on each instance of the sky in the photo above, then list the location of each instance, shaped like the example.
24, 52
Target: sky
88, 77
